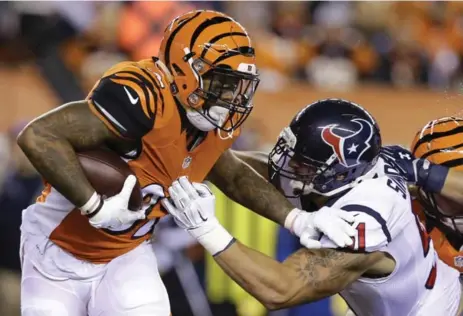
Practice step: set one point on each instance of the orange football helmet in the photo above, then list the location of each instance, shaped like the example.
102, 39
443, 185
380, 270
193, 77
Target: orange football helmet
212, 61
441, 142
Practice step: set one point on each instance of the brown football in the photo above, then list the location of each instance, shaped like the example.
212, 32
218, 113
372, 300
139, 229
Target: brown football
107, 172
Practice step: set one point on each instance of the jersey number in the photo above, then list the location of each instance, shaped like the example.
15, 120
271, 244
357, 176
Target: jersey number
360, 237
152, 194
426, 241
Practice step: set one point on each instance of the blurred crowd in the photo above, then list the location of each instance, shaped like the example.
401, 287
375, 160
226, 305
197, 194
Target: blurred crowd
339, 44
330, 45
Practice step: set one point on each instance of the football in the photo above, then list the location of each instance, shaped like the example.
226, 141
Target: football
106, 172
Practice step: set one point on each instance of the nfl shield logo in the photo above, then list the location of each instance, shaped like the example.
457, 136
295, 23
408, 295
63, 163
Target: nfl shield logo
458, 261
186, 162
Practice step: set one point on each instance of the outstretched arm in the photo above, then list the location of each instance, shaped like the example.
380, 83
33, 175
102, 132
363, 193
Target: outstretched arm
51, 141
258, 160
306, 276
240, 182
423, 173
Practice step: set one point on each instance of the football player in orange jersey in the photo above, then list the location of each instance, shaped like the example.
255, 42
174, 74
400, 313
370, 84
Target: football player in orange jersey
173, 115
438, 173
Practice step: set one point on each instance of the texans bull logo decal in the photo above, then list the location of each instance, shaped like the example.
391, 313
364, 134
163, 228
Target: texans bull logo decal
348, 149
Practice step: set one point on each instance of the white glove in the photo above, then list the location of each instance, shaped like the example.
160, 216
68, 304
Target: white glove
193, 209
112, 212
336, 224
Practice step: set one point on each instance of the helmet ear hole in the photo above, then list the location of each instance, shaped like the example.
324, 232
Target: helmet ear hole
178, 71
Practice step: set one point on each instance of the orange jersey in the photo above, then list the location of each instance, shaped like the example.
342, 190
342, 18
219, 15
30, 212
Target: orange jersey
134, 101
444, 249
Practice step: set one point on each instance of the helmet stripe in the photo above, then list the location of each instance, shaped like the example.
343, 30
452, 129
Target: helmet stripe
242, 50
453, 163
205, 25
439, 150
172, 36
436, 135
219, 37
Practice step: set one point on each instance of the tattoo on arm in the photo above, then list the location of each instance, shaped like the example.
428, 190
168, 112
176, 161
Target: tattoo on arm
306, 276
244, 185
50, 143
324, 272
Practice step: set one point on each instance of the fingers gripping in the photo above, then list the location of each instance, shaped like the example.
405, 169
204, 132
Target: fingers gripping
127, 189
188, 188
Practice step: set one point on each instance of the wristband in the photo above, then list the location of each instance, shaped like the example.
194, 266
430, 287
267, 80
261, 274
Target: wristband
216, 241
289, 221
228, 246
92, 205
436, 178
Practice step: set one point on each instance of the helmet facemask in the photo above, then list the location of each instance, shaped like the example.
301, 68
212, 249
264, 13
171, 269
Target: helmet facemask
435, 207
223, 97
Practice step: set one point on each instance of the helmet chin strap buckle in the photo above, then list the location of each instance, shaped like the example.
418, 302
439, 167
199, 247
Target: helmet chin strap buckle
198, 65
193, 99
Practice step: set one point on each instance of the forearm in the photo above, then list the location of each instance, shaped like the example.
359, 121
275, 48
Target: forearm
453, 186
55, 159
51, 141
244, 185
256, 159
263, 277
305, 276
255, 193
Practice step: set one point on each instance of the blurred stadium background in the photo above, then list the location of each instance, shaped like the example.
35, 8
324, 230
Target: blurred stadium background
403, 61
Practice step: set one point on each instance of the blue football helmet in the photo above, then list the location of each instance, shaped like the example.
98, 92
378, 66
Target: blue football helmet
328, 147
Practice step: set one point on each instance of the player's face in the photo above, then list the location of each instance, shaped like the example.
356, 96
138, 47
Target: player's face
302, 170
228, 96
222, 88
304, 175
228, 89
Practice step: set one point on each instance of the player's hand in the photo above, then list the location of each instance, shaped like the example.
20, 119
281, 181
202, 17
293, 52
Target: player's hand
420, 172
193, 207
404, 162
113, 212
336, 224
193, 203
